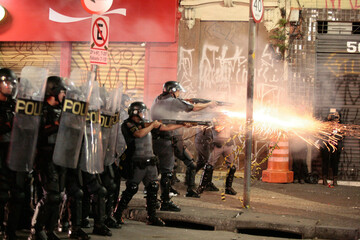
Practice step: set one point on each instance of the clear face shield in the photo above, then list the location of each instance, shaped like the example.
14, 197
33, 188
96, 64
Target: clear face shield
178, 90
143, 114
9, 88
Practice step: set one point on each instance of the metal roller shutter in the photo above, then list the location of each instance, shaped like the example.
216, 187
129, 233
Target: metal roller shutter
16, 55
126, 63
338, 86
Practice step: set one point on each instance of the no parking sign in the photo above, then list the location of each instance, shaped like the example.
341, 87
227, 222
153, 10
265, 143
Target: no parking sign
99, 39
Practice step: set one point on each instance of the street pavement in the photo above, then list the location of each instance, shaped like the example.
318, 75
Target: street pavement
277, 211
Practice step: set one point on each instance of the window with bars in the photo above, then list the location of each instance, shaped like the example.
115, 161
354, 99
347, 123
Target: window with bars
322, 27
325, 27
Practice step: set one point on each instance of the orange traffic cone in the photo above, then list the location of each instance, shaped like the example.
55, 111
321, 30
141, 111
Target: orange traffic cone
278, 164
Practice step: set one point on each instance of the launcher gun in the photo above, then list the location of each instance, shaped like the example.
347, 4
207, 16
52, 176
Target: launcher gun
181, 122
202, 100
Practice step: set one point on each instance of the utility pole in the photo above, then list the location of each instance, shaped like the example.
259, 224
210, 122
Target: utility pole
256, 12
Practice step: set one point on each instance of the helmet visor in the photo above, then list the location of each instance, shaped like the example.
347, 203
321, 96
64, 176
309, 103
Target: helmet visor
9, 88
143, 113
180, 88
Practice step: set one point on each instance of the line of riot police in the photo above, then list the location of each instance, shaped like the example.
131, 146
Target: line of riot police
63, 144
67, 139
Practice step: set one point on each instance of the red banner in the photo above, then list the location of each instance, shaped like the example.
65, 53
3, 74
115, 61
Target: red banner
67, 20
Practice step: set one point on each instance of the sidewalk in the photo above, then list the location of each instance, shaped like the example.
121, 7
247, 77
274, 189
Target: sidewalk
278, 210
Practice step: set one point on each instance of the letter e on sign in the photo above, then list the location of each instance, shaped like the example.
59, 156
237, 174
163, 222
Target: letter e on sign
99, 39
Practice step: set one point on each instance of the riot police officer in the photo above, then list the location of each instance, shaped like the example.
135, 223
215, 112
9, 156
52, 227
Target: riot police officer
110, 112
137, 133
203, 143
52, 177
222, 145
168, 105
120, 141
92, 165
8, 86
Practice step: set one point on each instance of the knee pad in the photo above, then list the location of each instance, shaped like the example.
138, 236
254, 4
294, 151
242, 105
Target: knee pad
132, 188
79, 194
165, 178
153, 187
208, 167
112, 187
168, 175
102, 192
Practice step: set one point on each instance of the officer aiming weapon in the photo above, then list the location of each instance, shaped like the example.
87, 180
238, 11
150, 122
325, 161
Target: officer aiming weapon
202, 100
182, 122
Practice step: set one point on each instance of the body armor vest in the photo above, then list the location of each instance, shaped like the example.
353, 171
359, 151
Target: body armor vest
143, 148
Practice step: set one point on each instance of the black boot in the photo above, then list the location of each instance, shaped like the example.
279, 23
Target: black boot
127, 195
46, 216
110, 221
211, 186
165, 184
98, 206
174, 192
205, 178
85, 223
229, 180
75, 205
151, 202
53, 236
190, 181
38, 235
78, 233
102, 230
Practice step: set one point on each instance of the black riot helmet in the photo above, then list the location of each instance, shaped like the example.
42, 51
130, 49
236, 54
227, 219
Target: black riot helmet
172, 86
54, 85
136, 108
8, 82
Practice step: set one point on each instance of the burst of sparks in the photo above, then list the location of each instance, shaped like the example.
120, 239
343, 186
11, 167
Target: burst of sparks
271, 123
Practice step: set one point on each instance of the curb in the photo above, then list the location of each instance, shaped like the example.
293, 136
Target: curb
246, 221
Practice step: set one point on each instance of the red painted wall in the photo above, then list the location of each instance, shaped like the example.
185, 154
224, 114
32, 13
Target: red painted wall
145, 21
161, 67
152, 21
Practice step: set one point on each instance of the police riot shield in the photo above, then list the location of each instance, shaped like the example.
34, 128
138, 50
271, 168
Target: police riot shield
91, 157
114, 107
73, 117
27, 118
120, 140
105, 118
